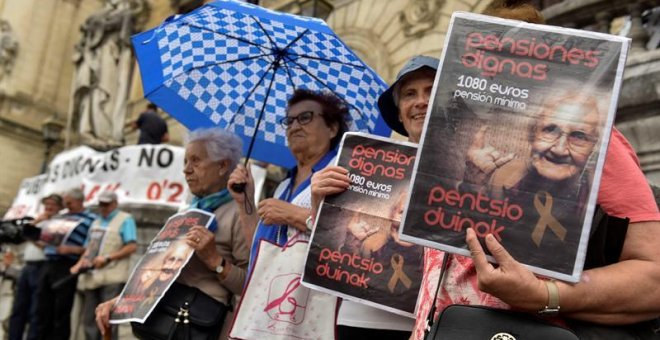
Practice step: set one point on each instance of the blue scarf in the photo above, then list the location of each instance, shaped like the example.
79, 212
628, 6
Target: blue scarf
210, 203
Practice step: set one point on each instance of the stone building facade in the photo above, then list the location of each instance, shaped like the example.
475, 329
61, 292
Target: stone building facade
37, 71
38, 39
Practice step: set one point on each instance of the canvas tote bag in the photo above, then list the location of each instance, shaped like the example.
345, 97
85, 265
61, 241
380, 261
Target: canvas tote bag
276, 306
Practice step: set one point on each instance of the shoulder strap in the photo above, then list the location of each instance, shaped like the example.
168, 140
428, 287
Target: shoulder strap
607, 235
430, 318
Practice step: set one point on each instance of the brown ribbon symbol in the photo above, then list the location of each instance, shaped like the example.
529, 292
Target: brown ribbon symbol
399, 274
546, 219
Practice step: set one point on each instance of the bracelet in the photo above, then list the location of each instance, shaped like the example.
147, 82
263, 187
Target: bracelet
108, 259
552, 308
309, 223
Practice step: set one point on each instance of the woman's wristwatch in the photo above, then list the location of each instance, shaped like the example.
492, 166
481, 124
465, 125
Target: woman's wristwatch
221, 267
552, 308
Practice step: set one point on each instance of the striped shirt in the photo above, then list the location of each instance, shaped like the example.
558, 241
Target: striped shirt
77, 236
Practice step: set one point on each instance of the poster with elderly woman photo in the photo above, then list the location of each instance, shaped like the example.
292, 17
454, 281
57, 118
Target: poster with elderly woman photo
166, 255
514, 143
355, 252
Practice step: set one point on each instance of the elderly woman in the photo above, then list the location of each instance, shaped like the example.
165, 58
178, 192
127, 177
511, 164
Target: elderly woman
606, 295
315, 123
221, 257
403, 106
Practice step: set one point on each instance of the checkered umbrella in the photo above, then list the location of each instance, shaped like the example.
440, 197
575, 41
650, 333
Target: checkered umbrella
234, 65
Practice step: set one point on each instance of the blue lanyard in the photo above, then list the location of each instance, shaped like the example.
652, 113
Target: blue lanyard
286, 195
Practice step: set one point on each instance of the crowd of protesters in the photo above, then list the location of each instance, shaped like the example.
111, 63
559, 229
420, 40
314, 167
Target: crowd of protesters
614, 299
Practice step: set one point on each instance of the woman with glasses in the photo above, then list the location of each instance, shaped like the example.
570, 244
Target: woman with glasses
314, 123
403, 107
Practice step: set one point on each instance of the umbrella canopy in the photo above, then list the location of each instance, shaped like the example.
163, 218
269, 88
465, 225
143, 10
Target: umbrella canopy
234, 65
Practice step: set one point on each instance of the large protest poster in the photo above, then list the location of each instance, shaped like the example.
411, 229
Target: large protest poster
158, 268
515, 140
355, 251
55, 231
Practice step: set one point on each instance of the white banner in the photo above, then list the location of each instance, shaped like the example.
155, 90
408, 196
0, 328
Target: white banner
138, 174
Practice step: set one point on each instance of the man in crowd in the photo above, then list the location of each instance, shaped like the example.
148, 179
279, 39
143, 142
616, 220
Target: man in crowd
54, 304
25, 298
153, 128
112, 240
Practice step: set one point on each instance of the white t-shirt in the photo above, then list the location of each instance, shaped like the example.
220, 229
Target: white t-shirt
355, 314
33, 253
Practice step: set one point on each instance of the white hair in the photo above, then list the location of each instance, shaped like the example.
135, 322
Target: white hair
220, 144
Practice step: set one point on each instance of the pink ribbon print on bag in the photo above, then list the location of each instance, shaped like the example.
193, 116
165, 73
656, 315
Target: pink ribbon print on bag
287, 303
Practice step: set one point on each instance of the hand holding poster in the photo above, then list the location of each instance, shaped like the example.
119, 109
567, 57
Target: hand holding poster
162, 263
355, 251
515, 140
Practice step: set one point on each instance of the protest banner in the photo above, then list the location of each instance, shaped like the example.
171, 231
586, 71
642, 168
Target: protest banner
355, 252
515, 139
138, 174
158, 268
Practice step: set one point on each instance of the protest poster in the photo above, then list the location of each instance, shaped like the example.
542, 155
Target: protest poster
158, 268
94, 243
514, 141
355, 252
56, 230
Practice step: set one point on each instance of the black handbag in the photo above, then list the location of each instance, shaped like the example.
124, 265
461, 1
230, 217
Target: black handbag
484, 323
464, 322
184, 313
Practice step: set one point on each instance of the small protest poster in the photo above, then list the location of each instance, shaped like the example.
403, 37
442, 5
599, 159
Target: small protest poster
355, 252
94, 243
162, 263
56, 230
514, 141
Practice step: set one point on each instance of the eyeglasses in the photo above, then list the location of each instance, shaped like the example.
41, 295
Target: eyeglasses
303, 118
577, 140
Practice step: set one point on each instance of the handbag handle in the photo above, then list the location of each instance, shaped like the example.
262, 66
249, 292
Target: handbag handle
430, 317
292, 240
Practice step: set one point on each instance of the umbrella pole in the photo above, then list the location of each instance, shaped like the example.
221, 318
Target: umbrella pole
240, 187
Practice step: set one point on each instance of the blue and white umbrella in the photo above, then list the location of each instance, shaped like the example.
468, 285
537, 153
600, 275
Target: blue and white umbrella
234, 65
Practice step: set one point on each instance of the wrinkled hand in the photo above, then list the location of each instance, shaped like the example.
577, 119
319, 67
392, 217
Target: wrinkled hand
483, 159
83, 263
203, 241
329, 181
241, 175
99, 262
274, 211
103, 315
511, 282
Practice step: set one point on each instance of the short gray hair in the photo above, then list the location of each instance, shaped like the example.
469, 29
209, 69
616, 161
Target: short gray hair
220, 144
76, 194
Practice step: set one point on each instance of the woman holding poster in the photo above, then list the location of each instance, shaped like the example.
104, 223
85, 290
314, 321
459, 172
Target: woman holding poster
403, 106
315, 123
220, 258
605, 294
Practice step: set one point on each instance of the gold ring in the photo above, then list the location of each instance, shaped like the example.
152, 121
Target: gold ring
197, 240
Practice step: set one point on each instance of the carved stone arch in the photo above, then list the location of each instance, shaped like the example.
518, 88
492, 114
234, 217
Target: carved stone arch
386, 33
369, 48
